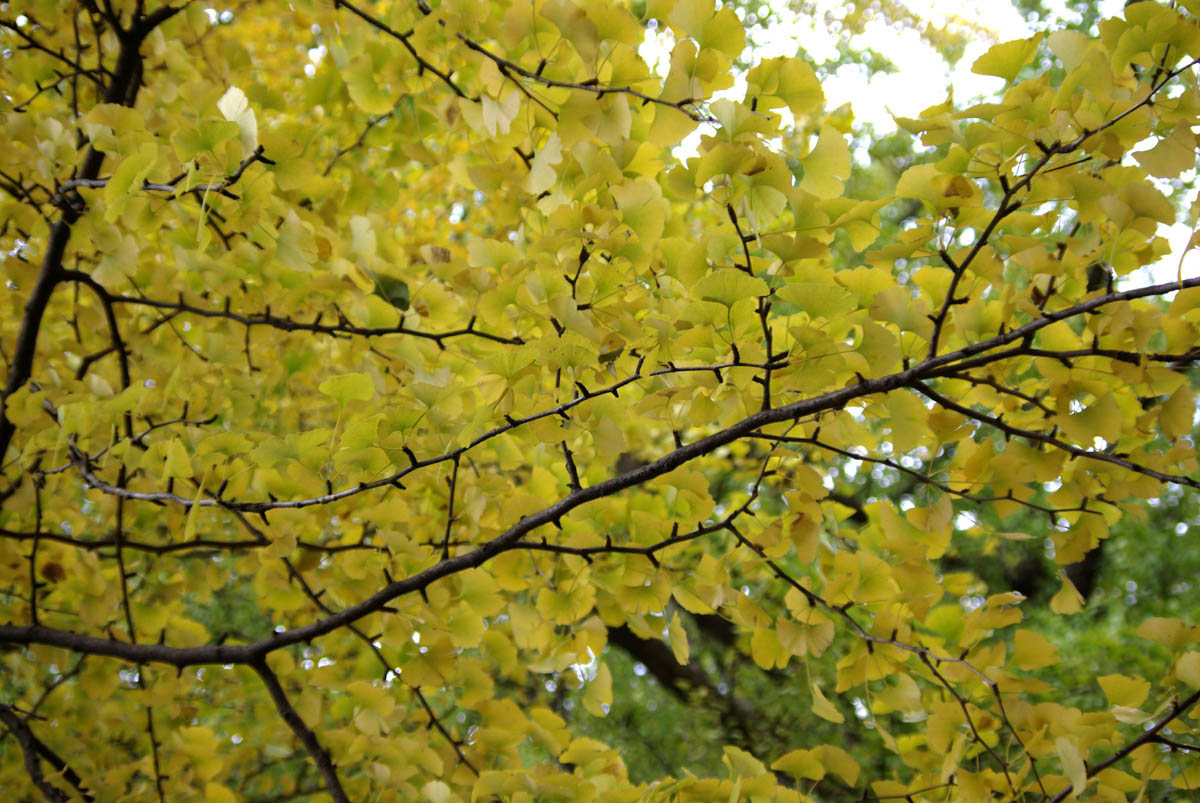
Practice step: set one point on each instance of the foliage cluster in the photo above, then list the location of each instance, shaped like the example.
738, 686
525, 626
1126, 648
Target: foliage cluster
381, 375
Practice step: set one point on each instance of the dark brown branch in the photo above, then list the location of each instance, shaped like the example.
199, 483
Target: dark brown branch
371, 123
309, 739
1131, 357
388, 669
15, 187
58, 682
1008, 205
1150, 736
650, 550
96, 76
52, 86
122, 89
507, 67
290, 325
836, 399
436, 722
21, 366
1175, 745
744, 239
171, 187
927, 656
1051, 440
34, 749
201, 546
999, 388
511, 538
423, 65
924, 479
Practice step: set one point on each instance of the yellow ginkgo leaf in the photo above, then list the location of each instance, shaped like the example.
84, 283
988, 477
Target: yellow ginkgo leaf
823, 708
679, 640
1006, 59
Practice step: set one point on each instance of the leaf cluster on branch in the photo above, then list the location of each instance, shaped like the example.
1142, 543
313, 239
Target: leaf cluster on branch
374, 370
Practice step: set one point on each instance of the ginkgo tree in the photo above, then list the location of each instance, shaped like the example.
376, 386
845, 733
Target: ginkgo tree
369, 365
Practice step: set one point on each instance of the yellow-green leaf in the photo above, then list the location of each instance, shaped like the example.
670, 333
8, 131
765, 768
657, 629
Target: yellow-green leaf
134, 170
1006, 59
1032, 651
348, 387
679, 640
597, 697
1177, 413
1170, 633
1187, 668
729, 286
801, 764
1072, 764
218, 793
827, 166
1122, 690
823, 708
203, 137
1067, 600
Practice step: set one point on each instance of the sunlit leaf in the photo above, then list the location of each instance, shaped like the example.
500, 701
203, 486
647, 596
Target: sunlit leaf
235, 108
1005, 60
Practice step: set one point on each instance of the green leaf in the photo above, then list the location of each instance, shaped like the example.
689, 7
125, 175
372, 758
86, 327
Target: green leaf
348, 387
1171, 156
128, 178
918, 182
295, 246
392, 290
1100, 419
598, 695
178, 464
361, 84
720, 30
742, 764
218, 793
203, 138
896, 305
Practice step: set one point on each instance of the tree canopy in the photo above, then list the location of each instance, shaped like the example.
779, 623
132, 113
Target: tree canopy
378, 376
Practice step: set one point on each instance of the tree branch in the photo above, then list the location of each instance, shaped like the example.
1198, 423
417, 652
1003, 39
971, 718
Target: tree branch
309, 739
34, 749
